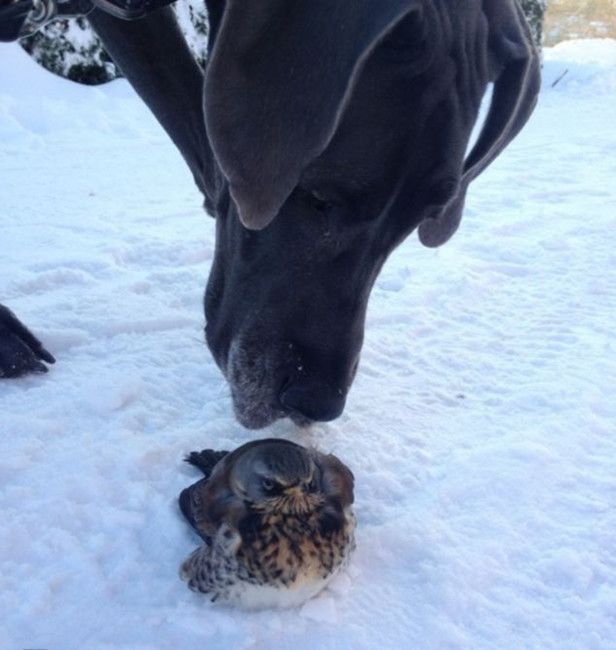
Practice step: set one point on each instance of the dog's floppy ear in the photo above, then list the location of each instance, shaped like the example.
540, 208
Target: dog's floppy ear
276, 84
516, 87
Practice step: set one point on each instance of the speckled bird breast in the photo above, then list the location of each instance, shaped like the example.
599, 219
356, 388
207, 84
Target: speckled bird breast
291, 551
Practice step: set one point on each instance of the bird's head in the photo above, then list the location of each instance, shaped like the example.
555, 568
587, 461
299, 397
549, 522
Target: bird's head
278, 476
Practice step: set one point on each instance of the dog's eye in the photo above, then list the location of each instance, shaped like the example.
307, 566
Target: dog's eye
316, 200
320, 202
406, 43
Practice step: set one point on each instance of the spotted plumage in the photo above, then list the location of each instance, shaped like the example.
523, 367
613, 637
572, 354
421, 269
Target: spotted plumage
276, 521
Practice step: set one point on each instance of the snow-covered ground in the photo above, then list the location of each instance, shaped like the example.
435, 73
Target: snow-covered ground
481, 428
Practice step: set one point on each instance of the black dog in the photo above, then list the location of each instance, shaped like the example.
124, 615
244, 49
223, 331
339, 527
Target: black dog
322, 133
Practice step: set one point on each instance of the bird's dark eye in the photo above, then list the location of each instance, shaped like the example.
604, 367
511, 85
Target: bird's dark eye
313, 486
268, 485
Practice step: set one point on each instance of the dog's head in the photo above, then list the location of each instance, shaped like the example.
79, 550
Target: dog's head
339, 127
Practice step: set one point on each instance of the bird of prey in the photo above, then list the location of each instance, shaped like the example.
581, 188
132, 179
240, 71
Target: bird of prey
276, 521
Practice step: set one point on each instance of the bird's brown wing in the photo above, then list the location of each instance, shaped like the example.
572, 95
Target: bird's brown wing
337, 480
190, 501
337, 483
209, 503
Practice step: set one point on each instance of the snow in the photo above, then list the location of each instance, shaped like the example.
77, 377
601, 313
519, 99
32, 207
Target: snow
481, 427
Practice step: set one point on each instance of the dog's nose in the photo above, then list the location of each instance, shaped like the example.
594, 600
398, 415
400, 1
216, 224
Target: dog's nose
314, 400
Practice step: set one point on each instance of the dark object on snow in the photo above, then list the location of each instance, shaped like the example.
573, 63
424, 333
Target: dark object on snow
319, 149
276, 520
20, 351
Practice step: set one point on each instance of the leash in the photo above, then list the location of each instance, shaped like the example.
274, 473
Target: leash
20, 18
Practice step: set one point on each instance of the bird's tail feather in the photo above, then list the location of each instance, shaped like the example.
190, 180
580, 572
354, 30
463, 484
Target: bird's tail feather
205, 460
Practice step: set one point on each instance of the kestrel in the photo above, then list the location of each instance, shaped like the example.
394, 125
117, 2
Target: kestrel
276, 519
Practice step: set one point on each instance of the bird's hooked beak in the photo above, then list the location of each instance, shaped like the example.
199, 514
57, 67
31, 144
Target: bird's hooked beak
297, 499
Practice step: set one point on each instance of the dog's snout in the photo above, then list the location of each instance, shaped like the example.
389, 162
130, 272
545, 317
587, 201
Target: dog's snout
313, 399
